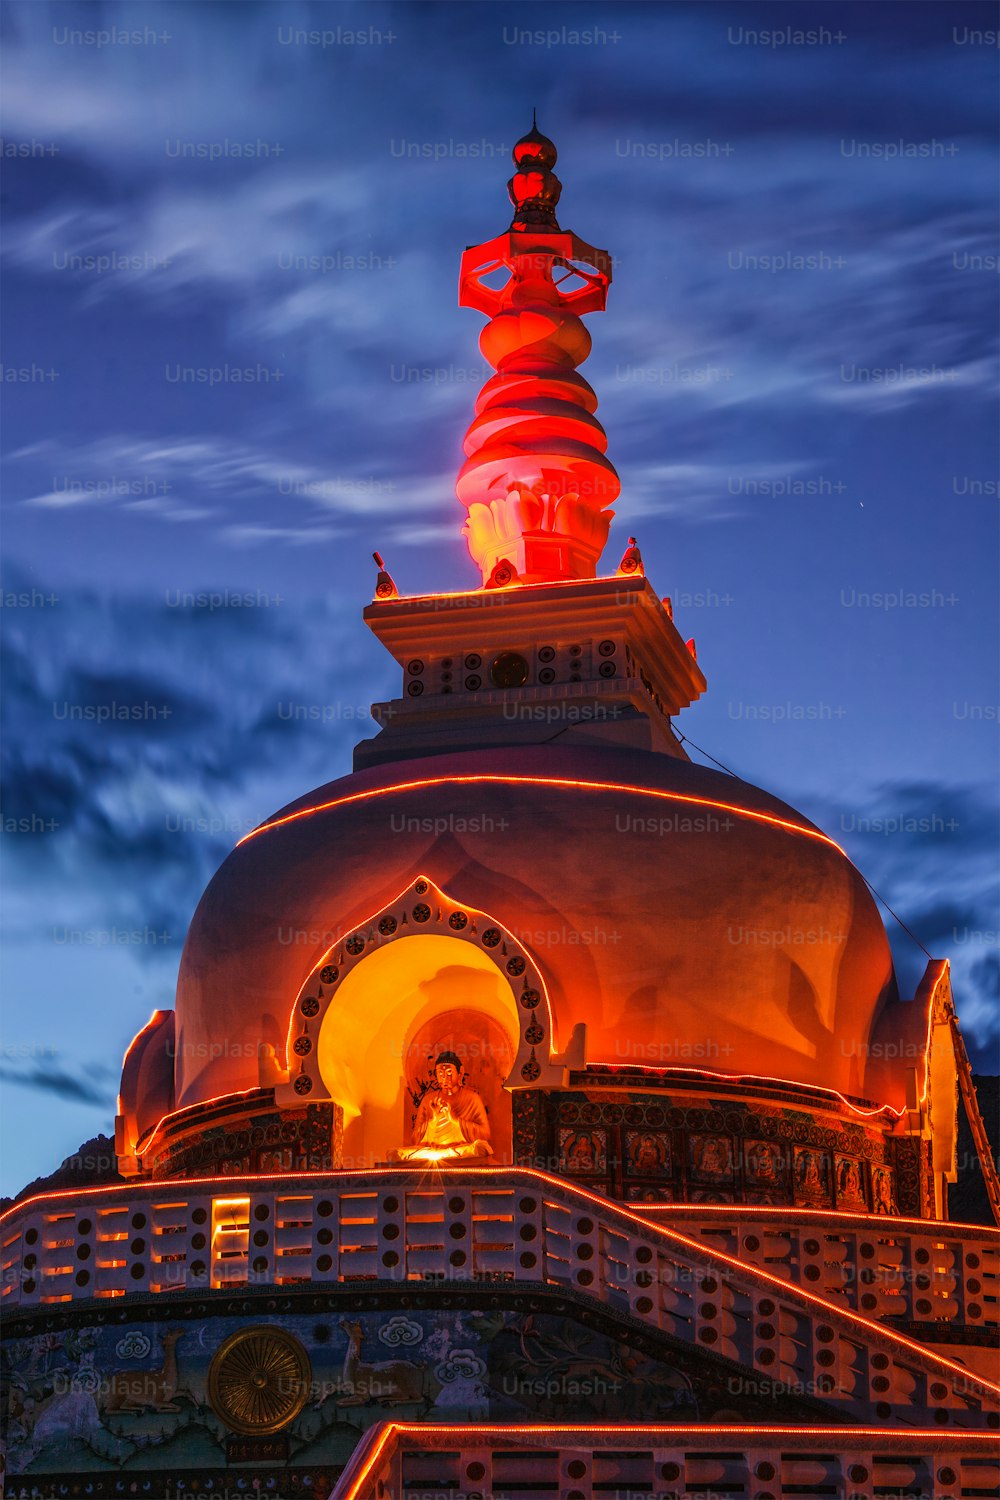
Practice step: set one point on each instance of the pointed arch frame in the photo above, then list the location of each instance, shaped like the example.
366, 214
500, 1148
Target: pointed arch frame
421, 907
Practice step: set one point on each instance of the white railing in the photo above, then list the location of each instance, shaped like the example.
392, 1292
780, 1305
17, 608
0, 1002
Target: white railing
468, 1225
904, 1269
548, 1462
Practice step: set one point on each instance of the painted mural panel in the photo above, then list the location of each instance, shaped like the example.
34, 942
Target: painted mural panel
137, 1398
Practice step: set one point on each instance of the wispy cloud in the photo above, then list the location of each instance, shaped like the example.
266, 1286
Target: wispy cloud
131, 782
121, 471
91, 1085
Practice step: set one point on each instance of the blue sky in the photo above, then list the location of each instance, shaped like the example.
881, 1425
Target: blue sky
796, 373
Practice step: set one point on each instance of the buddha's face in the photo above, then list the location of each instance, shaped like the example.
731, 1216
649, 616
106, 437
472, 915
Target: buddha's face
447, 1075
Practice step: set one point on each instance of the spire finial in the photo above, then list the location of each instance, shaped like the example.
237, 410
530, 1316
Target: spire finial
537, 485
534, 188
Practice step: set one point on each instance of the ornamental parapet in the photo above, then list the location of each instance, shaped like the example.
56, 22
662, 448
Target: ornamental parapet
464, 1227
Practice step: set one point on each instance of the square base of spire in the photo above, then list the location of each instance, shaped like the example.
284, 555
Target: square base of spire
484, 666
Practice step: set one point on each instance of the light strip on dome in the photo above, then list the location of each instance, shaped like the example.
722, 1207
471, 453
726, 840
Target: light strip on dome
148, 1136
131, 1048
560, 782
929, 1037
745, 1078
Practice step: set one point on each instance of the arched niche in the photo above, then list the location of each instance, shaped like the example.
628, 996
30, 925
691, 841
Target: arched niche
424, 967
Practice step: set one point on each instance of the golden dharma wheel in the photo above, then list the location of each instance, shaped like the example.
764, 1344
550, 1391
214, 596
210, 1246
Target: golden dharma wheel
259, 1380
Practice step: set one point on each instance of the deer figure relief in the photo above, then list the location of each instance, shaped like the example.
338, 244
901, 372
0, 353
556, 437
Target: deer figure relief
143, 1390
392, 1382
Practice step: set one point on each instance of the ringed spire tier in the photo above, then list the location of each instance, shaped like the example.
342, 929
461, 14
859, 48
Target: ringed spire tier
537, 484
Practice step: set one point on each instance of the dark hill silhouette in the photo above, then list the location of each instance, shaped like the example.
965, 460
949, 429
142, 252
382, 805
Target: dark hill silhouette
93, 1162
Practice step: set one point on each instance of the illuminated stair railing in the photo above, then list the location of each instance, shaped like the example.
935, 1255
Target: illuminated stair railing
908, 1270
469, 1226
911, 1271
396, 1459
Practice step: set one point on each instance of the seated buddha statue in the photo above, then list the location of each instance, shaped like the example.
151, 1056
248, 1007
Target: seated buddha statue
451, 1122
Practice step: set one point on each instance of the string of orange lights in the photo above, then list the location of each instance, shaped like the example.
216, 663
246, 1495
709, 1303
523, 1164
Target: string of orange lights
352, 1485
554, 782
702, 1252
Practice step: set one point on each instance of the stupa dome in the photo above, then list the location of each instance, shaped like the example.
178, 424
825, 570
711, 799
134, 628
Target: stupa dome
650, 974
684, 917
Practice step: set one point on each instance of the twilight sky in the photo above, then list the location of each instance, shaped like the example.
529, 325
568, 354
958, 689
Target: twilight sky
796, 372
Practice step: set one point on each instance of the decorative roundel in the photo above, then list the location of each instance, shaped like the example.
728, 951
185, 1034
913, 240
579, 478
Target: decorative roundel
531, 1069
472, 661
458, 920
310, 1006
491, 937
515, 965
259, 1380
387, 926
302, 1045
534, 1033
329, 974
547, 675
530, 999
508, 670
421, 912
473, 682
420, 887
303, 1084
415, 689
546, 653
355, 944
415, 667
606, 648
606, 669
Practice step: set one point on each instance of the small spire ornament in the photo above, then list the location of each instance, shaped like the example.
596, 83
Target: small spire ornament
385, 588
631, 563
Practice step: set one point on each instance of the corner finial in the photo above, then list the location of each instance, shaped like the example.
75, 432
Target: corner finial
385, 587
631, 561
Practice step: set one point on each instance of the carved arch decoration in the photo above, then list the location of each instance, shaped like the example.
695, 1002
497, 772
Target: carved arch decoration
423, 907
